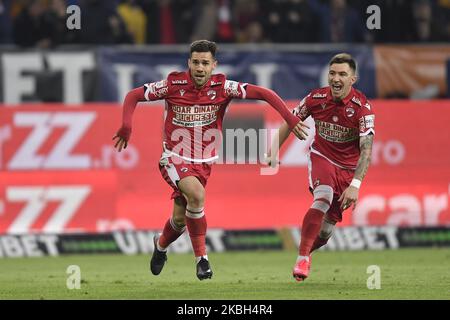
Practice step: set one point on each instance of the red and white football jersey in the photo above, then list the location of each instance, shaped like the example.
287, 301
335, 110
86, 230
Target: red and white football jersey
338, 124
193, 117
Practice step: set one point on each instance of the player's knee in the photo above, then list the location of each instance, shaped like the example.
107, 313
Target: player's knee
196, 198
193, 191
323, 196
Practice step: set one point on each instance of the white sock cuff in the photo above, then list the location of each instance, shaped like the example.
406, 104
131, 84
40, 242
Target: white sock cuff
299, 258
197, 259
323, 197
194, 213
159, 247
320, 205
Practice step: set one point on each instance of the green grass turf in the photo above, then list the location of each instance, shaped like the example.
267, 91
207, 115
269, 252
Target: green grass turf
405, 274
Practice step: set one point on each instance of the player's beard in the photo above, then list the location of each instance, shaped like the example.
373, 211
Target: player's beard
200, 80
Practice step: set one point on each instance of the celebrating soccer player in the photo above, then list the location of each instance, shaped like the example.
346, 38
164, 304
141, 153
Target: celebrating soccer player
339, 155
196, 101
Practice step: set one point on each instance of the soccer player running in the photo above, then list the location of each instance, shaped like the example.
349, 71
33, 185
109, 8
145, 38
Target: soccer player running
339, 154
196, 101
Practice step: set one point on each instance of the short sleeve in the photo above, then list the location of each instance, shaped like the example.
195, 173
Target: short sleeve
302, 110
366, 120
156, 90
234, 89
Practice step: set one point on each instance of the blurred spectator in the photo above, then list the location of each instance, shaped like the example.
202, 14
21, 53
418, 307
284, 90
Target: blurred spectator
396, 20
425, 28
215, 21
5, 22
289, 21
338, 21
57, 14
225, 32
135, 20
246, 13
17, 6
443, 16
101, 24
206, 20
34, 27
184, 19
169, 22
253, 33
225, 21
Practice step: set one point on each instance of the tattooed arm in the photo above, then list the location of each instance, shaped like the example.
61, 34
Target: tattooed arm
365, 147
350, 195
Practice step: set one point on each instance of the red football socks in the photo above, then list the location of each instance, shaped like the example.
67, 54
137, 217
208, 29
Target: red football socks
310, 230
197, 232
170, 234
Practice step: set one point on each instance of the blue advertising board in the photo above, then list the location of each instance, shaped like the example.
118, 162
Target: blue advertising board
290, 73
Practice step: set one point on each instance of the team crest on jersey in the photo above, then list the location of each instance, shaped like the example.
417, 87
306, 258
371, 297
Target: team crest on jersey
349, 112
212, 94
357, 101
335, 118
319, 95
182, 91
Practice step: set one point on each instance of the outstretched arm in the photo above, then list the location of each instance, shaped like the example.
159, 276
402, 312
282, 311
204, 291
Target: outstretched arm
129, 104
350, 195
283, 134
261, 93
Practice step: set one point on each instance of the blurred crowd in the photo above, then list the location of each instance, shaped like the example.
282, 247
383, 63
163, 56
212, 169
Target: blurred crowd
42, 23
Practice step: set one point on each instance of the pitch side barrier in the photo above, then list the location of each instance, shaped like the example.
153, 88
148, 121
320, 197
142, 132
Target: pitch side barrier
219, 240
79, 74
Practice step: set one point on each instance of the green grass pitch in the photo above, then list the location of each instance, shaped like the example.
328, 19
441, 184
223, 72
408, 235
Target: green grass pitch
405, 274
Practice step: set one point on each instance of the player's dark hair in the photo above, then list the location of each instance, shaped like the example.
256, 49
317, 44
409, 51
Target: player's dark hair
204, 46
344, 58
